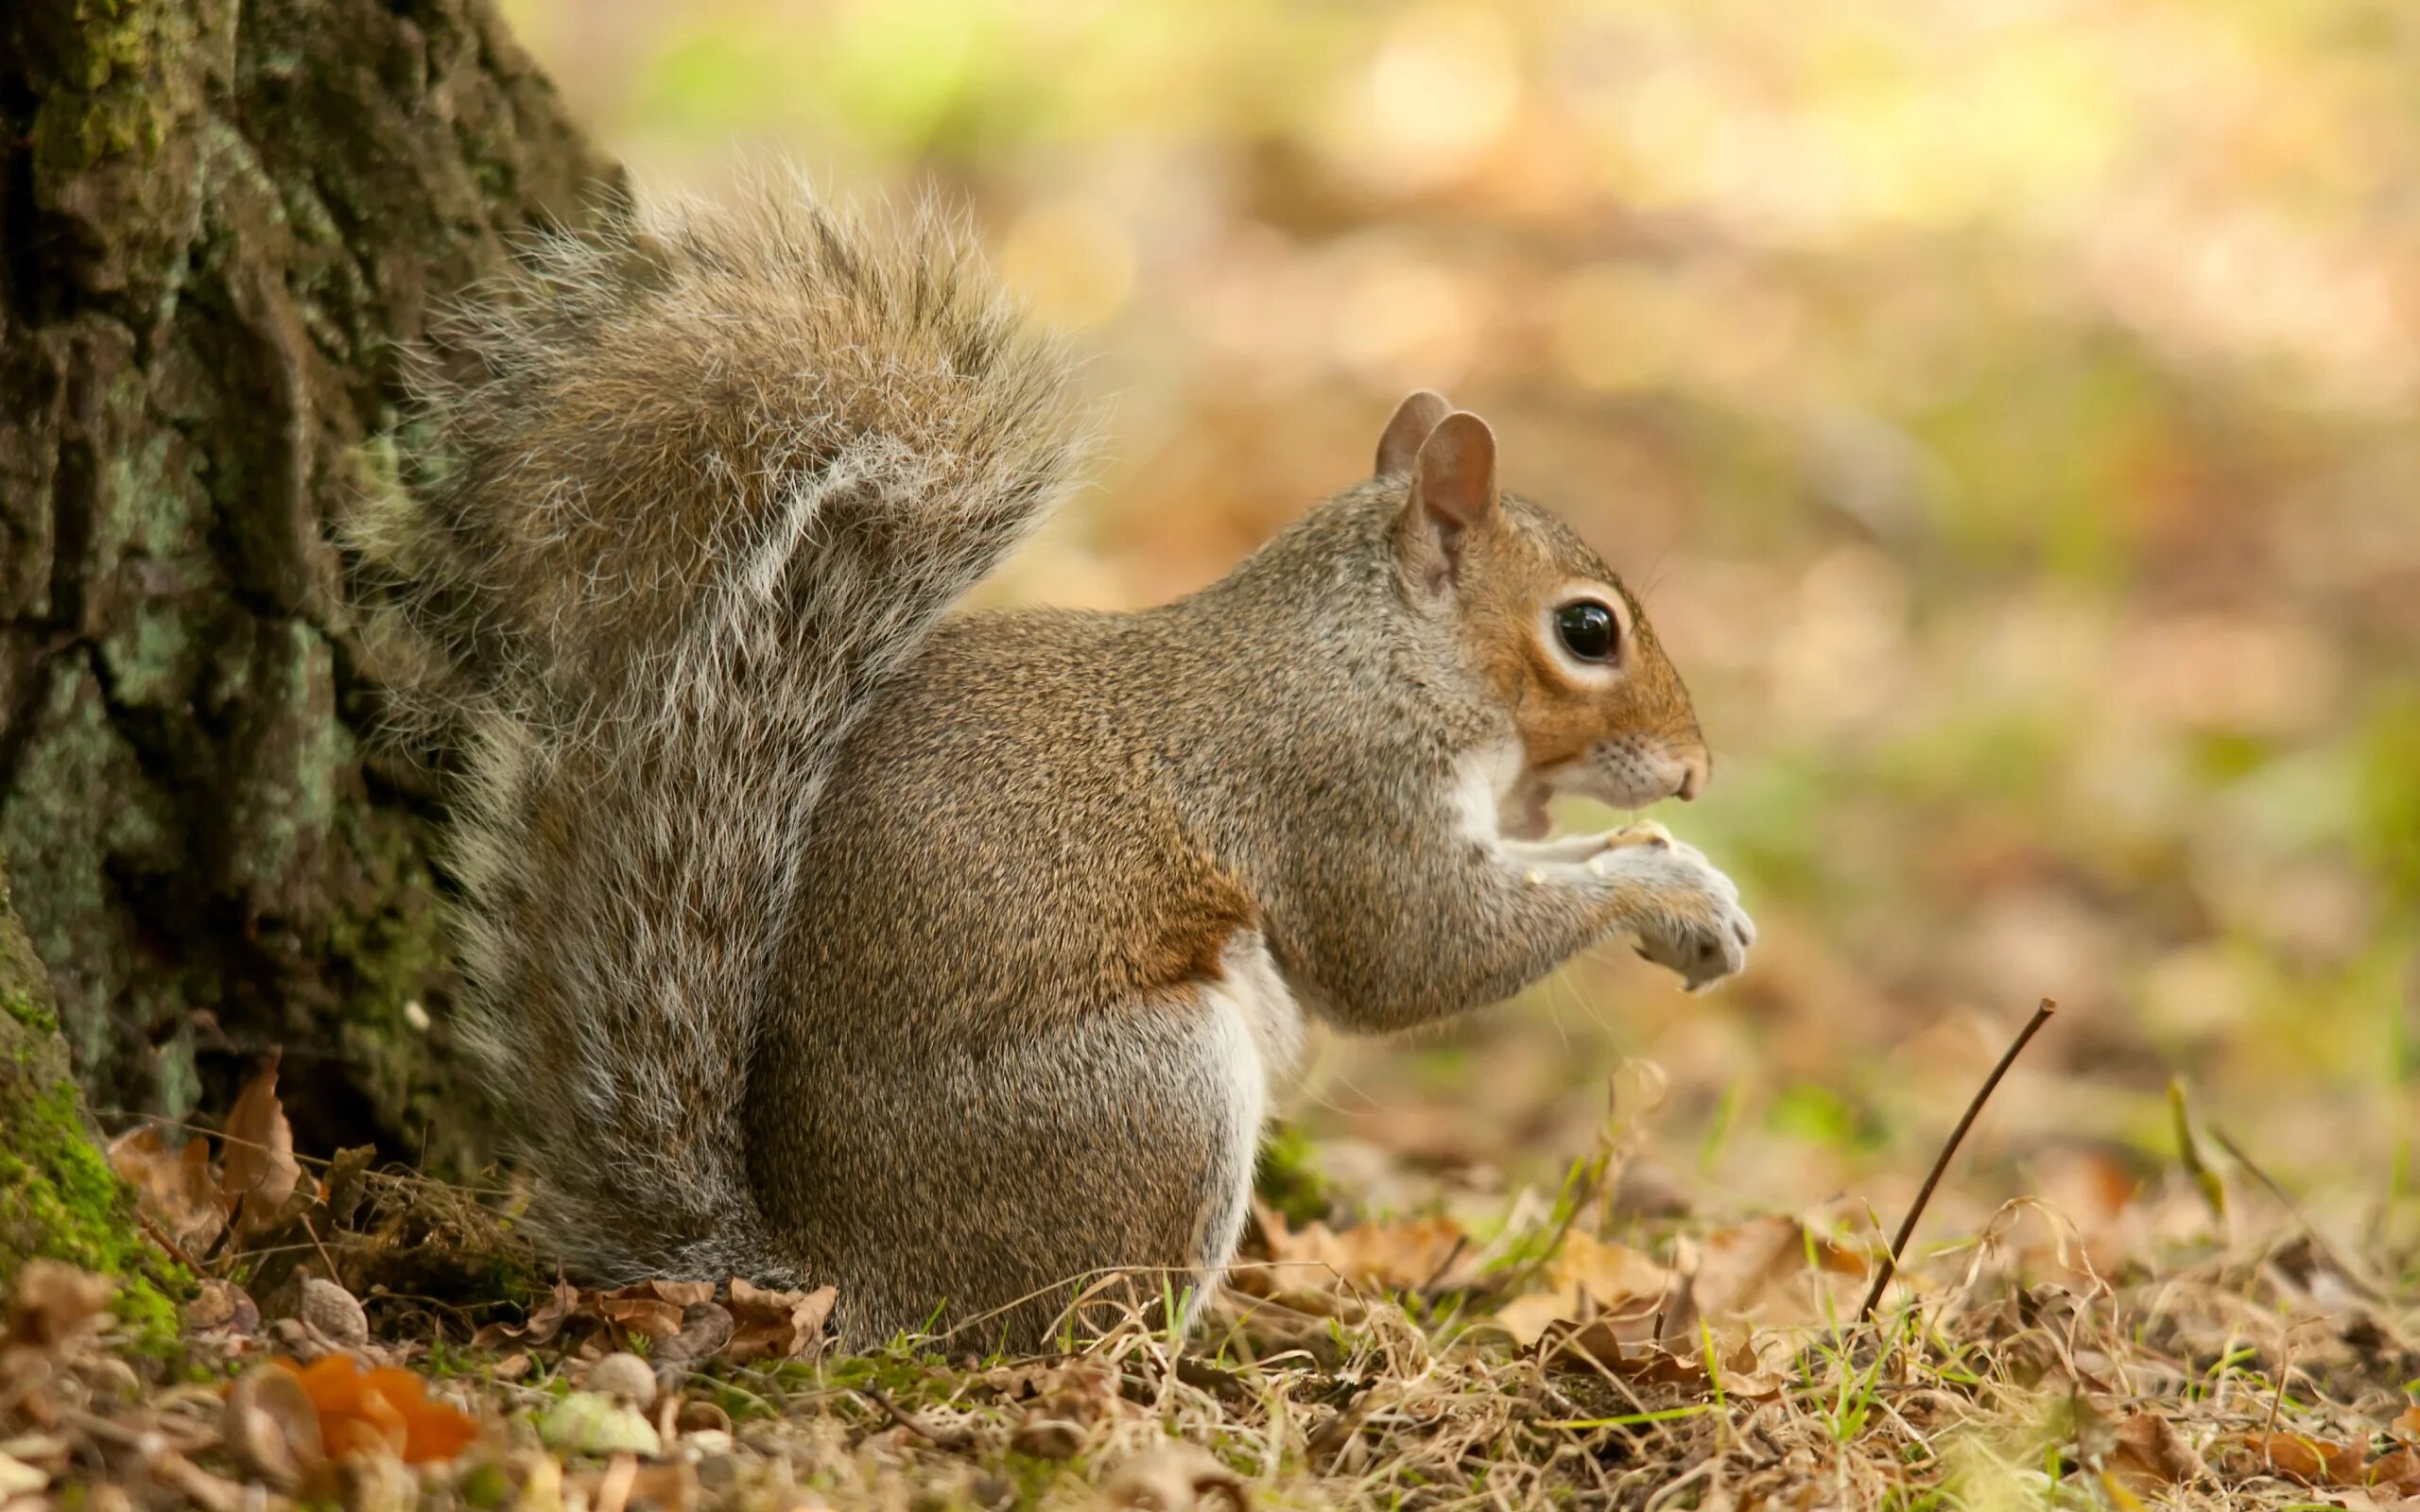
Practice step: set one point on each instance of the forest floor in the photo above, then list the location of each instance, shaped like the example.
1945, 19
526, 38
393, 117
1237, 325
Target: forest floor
376, 1340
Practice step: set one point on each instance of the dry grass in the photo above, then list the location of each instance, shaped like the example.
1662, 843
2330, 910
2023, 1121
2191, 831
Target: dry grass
1571, 1355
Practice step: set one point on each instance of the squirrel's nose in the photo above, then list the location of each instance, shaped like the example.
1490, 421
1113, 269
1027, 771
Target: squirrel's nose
1695, 773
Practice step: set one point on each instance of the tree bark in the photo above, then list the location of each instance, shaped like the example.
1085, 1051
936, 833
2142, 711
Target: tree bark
220, 225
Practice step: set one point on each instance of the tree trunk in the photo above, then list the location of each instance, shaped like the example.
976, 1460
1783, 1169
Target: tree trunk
220, 225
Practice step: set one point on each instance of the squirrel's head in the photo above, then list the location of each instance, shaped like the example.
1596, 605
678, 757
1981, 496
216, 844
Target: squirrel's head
1542, 620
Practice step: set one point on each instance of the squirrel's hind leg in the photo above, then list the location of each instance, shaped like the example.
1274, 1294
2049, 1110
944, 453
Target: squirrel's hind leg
1031, 1186
1243, 1034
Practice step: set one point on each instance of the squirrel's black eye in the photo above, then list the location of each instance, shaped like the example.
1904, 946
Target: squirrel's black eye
1587, 630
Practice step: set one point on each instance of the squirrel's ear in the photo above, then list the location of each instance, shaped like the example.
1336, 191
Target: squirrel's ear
1453, 489
1414, 419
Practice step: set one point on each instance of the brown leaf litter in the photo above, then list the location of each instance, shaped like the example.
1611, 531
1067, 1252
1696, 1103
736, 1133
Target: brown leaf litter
1575, 1355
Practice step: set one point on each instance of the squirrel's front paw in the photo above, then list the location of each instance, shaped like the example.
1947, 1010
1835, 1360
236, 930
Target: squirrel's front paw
1686, 913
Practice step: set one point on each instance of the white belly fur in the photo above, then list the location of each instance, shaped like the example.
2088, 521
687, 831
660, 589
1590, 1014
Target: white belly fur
1257, 1027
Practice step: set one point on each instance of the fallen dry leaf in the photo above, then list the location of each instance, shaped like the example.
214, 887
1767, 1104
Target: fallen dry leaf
768, 1324
2398, 1472
1574, 1345
651, 1309
1048, 1438
386, 1409
1400, 1255
645, 1316
1596, 1282
52, 1302
679, 1293
2313, 1268
1078, 1390
1181, 1478
1020, 1383
542, 1323
176, 1189
258, 1172
705, 1331
1739, 1268
1065, 1400
2312, 1461
1740, 1371
2149, 1453
681, 1321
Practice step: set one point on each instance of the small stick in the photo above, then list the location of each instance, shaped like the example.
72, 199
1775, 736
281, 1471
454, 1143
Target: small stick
2362, 1283
948, 1439
1924, 1195
167, 1241
890, 1410
1461, 1242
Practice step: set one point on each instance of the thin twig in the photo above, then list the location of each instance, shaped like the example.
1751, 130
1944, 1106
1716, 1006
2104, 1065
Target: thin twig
2371, 1289
1924, 1195
1461, 1242
1326, 1445
939, 1438
890, 1410
2278, 1398
167, 1241
325, 1259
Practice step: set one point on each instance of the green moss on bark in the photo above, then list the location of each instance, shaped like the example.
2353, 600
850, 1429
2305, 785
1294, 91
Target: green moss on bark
58, 1199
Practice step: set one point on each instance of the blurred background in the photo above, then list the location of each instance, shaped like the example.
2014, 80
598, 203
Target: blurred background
2005, 409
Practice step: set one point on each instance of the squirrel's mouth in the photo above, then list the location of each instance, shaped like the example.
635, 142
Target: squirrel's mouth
1620, 776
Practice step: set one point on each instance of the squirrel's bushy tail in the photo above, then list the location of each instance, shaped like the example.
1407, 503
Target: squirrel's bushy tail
692, 486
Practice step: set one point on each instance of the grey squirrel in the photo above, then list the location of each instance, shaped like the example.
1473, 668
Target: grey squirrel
813, 933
